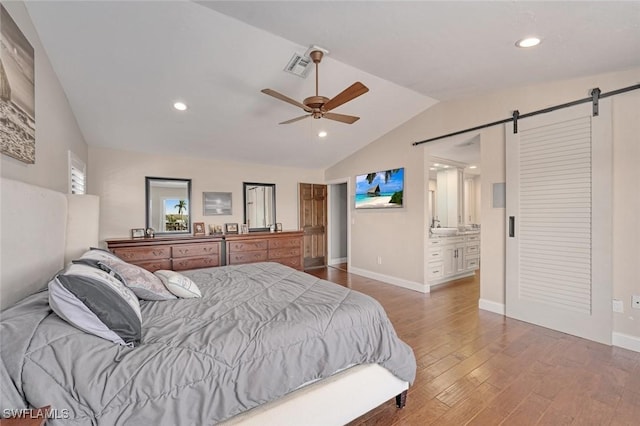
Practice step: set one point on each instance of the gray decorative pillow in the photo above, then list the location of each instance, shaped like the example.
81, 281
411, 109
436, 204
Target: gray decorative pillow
143, 283
100, 265
96, 302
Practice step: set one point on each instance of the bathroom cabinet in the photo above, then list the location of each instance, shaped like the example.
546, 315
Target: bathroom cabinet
452, 257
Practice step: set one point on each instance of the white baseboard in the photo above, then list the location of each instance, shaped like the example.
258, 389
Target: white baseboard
400, 282
337, 261
626, 341
488, 305
620, 340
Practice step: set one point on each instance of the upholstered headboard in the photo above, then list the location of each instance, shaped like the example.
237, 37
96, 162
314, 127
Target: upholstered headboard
40, 230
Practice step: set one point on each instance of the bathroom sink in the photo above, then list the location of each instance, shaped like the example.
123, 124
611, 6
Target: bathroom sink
444, 231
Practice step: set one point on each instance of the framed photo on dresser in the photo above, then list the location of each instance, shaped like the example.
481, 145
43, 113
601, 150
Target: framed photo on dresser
230, 228
199, 229
138, 233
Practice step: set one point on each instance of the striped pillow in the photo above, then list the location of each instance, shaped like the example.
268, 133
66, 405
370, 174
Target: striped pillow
98, 303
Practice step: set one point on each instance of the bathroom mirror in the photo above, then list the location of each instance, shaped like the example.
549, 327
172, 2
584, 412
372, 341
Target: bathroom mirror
259, 205
168, 205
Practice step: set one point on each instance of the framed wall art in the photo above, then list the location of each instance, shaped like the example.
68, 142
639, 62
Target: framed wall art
383, 189
216, 203
17, 92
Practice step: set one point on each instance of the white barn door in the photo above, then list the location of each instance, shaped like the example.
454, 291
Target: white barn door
559, 221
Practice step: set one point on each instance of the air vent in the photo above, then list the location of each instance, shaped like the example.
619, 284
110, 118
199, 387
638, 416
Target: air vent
299, 65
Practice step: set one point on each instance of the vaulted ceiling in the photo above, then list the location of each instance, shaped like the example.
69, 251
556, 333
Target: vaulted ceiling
123, 65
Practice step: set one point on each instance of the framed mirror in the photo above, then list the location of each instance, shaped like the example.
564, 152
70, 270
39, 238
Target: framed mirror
168, 205
259, 205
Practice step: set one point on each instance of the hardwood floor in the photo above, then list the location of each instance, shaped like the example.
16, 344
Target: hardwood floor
480, 368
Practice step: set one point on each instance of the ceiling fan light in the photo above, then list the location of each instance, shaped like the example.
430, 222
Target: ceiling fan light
322, 134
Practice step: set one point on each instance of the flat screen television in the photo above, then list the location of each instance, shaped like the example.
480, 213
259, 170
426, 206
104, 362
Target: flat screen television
380, 190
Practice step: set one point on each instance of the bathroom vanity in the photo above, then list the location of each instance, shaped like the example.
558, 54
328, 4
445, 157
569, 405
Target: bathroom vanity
451, 254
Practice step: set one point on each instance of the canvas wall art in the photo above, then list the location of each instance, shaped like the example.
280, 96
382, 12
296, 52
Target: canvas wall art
17, 92
216, 203
383, 189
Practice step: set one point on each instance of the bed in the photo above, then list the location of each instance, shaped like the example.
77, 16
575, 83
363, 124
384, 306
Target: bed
245, 352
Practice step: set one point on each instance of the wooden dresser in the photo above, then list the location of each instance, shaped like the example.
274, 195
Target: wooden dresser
174, 253
282, 247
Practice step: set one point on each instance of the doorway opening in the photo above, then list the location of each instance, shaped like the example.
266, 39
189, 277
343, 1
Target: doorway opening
338, 225
453, 209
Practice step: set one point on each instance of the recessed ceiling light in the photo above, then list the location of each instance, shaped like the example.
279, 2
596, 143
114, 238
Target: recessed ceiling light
473, 167
322, 134
528, 42
432, 168
180, 106
445, 166
436, 164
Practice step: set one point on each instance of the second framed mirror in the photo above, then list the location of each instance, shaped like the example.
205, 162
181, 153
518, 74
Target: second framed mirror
259, 205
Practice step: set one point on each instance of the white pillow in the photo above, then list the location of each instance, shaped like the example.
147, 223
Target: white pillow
178, 284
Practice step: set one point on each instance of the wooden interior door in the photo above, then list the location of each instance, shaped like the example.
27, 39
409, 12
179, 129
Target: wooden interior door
313, 221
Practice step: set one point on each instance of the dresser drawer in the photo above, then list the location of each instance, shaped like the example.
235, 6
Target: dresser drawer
238, 258
251, 245
434, 254
154, 265
284, 243
472, 249
473, 263
435, 270
190, 250
284, 252
135, 254
292, 262
180, 264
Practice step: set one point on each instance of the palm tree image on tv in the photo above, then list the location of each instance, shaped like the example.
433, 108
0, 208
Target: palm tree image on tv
380, 189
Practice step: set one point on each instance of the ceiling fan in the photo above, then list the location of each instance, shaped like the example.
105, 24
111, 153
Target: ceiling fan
319, 106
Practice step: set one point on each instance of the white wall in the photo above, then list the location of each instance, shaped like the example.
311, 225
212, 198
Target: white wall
398, 235
118, 177
56, 128
626, 210
391, 234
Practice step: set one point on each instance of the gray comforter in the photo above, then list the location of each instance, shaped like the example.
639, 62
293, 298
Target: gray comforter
258, 332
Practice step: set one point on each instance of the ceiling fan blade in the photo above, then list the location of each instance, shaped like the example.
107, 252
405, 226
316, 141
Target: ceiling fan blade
349, 119
293, 120
285, 98
351, 92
